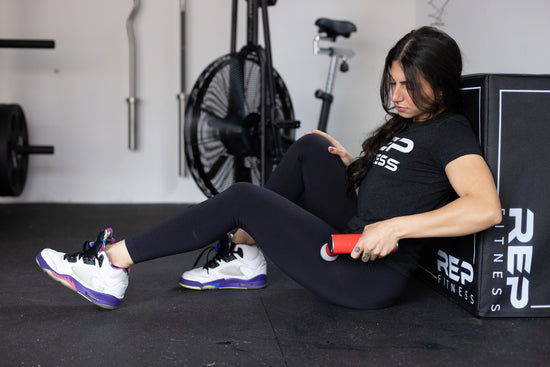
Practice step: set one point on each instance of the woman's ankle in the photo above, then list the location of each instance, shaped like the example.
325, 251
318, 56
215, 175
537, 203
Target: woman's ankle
118, 255
241, 236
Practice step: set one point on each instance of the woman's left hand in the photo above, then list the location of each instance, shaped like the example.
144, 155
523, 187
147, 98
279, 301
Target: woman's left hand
378, 240
336, 148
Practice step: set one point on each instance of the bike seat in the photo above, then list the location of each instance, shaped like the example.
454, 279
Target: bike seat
335, 28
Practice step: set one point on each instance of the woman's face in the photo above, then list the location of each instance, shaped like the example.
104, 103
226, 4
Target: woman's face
401, 98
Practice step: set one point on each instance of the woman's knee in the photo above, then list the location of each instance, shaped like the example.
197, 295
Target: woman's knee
311, 143
244, 190
314, 139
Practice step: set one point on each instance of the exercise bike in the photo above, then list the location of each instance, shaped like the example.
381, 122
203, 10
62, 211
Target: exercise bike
239, 118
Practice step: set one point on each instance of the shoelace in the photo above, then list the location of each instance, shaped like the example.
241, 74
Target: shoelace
223, 253
91, 248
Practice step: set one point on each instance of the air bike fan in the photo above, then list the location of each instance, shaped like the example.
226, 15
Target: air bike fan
239, 119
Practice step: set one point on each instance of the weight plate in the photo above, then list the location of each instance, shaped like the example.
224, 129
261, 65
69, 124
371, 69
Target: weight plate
13, 165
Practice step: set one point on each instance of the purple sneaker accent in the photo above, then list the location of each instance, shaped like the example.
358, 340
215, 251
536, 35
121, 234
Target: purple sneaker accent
101, 299
238, 266
259, 281
88, 272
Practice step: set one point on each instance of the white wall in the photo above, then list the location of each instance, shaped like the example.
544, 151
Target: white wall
74, 95
496, 36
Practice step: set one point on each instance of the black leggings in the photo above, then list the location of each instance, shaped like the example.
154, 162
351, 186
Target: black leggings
291, 235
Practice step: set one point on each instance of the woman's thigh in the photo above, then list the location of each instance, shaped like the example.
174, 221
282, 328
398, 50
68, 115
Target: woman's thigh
308, 174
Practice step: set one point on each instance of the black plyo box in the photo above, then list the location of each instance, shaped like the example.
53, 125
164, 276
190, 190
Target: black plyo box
505, 270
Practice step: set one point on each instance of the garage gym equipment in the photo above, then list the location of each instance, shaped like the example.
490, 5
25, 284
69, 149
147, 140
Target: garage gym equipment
239, 119
132, 99
14, 138
329, 30
182, 172
15, 150
503, 271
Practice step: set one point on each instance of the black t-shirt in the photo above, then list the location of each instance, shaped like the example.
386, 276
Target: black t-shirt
408, 177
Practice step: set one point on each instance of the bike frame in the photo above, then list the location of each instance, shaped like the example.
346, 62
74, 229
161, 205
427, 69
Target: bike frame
337, 56
267, 124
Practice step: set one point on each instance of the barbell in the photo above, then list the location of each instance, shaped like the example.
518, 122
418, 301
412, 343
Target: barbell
15, 150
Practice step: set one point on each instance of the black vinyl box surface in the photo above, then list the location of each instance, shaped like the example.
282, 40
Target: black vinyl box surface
505, 270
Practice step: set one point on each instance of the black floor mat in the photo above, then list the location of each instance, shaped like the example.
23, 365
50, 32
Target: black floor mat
162, 324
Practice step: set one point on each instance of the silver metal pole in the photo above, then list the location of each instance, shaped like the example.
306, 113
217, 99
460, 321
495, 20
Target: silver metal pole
331, 74
182, 172
132, 99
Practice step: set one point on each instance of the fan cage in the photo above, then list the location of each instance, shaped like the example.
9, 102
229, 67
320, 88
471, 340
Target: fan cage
223, 123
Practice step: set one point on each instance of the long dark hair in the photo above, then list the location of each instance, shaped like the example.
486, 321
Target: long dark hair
426, 53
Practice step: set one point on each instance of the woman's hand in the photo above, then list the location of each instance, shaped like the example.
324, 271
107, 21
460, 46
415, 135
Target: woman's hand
378, 240
336, 148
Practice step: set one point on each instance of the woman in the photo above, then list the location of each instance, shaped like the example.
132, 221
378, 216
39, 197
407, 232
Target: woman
406, 179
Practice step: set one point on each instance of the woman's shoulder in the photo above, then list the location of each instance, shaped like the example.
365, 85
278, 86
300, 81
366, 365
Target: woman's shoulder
444, 121
452, 121
451, 117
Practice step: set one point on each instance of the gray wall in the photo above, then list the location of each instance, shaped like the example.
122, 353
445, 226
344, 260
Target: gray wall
496, 36
74, 96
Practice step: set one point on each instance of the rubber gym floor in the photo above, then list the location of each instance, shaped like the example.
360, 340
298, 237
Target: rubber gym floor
162, 324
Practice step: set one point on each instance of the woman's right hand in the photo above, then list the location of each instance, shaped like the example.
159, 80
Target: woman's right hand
336, 148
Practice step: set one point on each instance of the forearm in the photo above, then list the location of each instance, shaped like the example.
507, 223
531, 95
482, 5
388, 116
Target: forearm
477, 208
465, 215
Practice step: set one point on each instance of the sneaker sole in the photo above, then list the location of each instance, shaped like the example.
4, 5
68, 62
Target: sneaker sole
100, 299
257, 282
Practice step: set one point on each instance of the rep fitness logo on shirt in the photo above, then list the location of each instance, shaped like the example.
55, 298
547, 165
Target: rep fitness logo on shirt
402, 145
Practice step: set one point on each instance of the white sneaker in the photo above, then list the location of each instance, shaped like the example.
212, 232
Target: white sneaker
240, 267
88, 272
